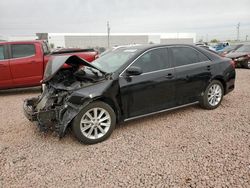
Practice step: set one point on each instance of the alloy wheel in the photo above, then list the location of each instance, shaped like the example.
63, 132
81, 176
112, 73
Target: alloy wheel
214, 94
95, 123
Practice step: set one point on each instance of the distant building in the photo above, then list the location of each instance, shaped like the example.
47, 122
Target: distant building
91, 40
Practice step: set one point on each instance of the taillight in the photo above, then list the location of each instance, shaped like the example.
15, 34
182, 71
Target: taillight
232, 63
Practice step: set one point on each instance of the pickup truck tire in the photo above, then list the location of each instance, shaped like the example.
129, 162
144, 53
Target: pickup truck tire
213, 95
94, 123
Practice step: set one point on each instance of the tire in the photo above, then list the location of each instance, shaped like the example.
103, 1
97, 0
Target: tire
246, 64
215, 98
94, 123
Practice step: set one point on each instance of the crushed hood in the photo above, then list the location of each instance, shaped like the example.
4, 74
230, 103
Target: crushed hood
56, 63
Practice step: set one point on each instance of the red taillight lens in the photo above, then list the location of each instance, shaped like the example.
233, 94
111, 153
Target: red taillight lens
232, 63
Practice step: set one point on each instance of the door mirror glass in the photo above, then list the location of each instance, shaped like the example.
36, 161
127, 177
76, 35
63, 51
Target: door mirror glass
133, 71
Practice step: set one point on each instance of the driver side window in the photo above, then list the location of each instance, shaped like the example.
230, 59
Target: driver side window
153, 60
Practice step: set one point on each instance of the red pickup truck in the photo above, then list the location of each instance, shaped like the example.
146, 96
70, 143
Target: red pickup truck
22, 63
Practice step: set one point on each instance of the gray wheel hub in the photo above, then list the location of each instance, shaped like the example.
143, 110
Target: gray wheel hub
95, 123
214, 94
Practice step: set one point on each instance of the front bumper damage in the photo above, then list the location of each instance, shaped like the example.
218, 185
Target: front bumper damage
55, 119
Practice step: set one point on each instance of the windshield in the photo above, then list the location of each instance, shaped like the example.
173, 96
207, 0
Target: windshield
245, 48
113, 60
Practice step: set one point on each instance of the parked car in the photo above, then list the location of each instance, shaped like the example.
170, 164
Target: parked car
22, 63
125, 84
241, 56
221, 46
207, 47
229, 49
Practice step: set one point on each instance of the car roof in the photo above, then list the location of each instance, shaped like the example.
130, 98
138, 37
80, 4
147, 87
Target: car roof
150, 46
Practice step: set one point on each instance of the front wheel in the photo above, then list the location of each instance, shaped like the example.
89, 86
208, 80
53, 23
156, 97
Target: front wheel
94, 123
213, 95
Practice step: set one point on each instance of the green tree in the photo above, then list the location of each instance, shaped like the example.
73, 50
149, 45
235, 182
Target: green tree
214, 41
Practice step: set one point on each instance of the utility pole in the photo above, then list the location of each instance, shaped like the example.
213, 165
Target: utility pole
108, 30
238, 31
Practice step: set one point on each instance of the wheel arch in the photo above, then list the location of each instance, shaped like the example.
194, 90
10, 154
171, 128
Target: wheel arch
112, 104
223, 82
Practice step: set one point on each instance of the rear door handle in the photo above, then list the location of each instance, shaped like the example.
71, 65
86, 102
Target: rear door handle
169, 76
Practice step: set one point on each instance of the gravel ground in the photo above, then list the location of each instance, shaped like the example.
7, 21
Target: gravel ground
190, 147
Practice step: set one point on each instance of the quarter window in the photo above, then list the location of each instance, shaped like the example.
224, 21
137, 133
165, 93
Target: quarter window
186, 55
22, 50
1, 53
153, 60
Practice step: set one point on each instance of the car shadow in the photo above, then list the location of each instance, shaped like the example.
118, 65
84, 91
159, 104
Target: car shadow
17, 91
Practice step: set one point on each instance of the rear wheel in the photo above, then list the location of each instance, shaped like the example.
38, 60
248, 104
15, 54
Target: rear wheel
94, 123
213, 95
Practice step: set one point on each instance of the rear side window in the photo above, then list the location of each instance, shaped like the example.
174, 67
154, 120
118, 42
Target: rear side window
153, 60
22, 50
186, 56
1, 52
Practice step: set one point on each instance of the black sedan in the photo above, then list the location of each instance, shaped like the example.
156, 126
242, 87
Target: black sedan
127, 83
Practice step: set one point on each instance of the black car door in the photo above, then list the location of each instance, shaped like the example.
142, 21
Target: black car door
193, 71
151, 91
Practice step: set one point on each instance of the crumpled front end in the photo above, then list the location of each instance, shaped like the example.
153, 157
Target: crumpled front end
47, 110
55, 108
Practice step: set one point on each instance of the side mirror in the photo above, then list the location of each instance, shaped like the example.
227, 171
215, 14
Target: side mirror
133, 71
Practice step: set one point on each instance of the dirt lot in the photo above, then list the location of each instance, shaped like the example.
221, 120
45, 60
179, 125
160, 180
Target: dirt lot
187, 147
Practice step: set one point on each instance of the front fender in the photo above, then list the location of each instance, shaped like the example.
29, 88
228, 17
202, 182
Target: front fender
81, 98
67, 114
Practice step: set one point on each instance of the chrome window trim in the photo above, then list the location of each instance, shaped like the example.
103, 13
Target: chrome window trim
156, 71
121, 74
192, 64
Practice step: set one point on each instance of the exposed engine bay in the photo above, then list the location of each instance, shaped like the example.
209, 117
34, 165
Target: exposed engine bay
58, 85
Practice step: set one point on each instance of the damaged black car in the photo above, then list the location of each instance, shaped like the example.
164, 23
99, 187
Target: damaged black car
241, 57
124, 84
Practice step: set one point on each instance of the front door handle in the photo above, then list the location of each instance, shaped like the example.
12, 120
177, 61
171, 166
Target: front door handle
169, 76
208, 67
